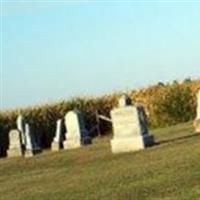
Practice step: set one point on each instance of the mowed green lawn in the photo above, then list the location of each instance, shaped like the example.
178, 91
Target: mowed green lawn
170, 170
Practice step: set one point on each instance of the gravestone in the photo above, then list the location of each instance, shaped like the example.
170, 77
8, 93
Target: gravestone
124, 100
15, 144
21, 127
31, 146
130, 128
77, 134
197, 120
57, 143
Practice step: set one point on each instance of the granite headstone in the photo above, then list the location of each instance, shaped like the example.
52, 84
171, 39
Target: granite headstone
57, 143
15, 144
130, 128
31, 146
77, 133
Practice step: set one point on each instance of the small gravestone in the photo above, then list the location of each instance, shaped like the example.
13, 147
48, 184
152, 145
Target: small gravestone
31, 146
15, 144
124, 101
197, 120
57, 143
130, 128
77, 134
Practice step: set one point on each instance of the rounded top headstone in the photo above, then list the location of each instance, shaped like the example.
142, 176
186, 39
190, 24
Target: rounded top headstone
124, 101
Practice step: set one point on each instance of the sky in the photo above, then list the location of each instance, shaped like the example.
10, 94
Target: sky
55, 50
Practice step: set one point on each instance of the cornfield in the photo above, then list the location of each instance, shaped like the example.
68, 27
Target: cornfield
165, 104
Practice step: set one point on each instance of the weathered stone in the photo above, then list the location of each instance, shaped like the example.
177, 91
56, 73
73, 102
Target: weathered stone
197, 125
15, 144
197, 120
124, 101
130, 129
76, 132
31, 147
21, 127
57, 143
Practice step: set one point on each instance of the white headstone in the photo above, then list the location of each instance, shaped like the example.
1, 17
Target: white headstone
58, 136
31, 147
20, 127
15, 144
58, 139
197, 120
130, 129
198, 104
76, 132
124, 101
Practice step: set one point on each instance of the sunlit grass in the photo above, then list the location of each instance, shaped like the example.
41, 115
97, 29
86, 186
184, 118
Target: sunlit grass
169, 170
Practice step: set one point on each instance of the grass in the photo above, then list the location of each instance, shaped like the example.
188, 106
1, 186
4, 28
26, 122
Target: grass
170, 170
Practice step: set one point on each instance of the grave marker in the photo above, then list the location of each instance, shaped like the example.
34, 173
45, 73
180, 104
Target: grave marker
15, 144
21, 127
57, 143
130, 128
31, 147
77, 134
197, 120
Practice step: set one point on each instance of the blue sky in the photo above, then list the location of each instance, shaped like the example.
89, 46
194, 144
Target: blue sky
53, 50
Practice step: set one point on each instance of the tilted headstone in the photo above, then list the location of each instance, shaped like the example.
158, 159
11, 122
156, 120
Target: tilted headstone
31, 146
76, 132
15, 144
130, 129
57, 143
21, 127
197, 120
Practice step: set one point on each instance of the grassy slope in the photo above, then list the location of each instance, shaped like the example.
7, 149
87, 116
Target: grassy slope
169, 170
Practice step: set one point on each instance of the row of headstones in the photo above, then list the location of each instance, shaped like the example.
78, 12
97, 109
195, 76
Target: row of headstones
129, 123
22, 141
76, 135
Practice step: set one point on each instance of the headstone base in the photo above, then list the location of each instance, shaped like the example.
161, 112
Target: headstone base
14, 153
55, 146
197, 125
72, 144
31, 153
131, 144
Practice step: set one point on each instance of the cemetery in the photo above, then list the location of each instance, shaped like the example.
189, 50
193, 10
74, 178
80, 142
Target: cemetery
100, 100
133, 157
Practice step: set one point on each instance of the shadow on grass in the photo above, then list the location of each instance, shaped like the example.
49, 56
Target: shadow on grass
177, 139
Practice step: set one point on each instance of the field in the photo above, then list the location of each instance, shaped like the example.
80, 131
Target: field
170, 170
